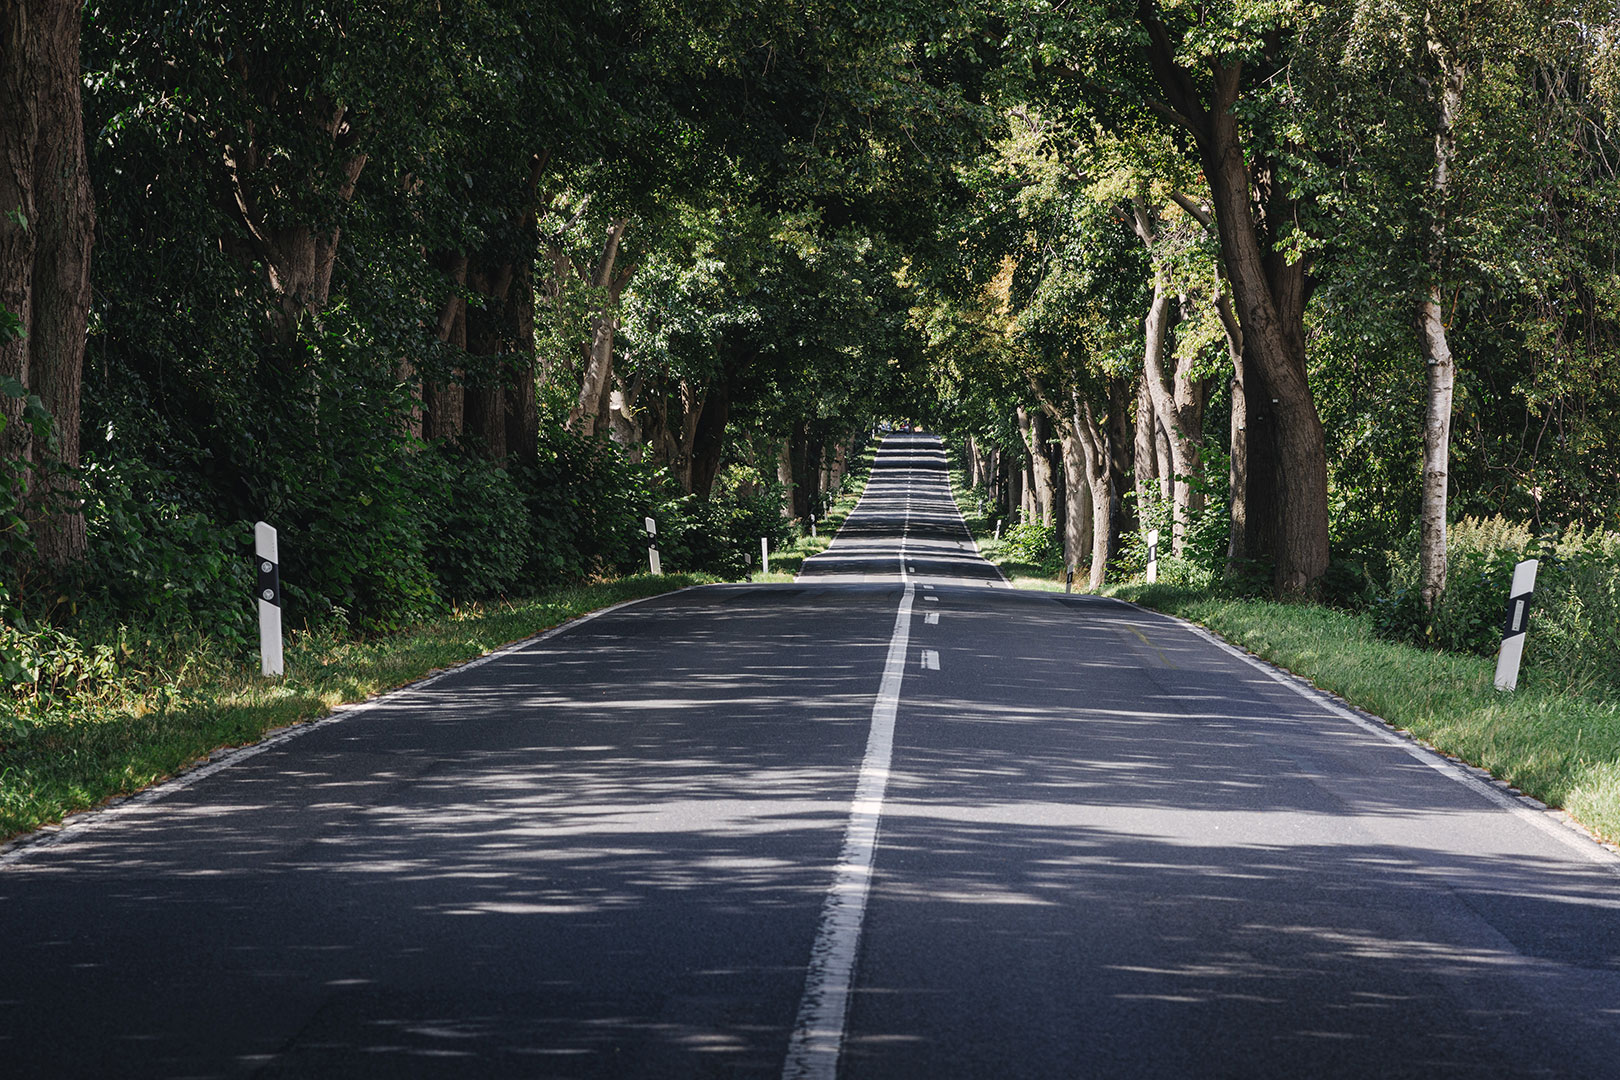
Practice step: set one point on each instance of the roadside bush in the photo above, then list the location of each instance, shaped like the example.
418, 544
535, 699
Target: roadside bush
155, 564
586, 502
477, 533
1036, 544
1575, 619
719, 535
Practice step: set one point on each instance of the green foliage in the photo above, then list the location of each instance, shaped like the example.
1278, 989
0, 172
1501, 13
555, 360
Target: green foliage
1571, 641
476, 528
587, 503
15, 543
156, 564
721, 535
1036, 544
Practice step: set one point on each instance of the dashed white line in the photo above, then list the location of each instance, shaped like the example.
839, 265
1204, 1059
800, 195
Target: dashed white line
818, 1034
931, 618
930, 659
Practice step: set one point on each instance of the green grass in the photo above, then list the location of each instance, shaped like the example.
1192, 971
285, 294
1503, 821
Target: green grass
1021, 574
1560, 747
788, 562
68, 754
78, 754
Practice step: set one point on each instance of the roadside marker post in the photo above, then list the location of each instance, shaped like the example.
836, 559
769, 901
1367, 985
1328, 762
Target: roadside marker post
1153, 557
998, 528
1515, 624
1068, 580
654, 563
812, 526
268, 560
764, 555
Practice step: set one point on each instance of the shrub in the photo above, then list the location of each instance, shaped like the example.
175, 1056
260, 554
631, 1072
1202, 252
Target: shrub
1575, 621
1036, 544
477, 531
155, 563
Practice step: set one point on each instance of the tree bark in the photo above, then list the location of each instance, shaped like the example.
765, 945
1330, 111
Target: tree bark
1270, 290
45, 258
598, 373
709, 438
444, 404
1035, 429
1145, 457
1099, 481
1439, 365
784, 476
1077, 508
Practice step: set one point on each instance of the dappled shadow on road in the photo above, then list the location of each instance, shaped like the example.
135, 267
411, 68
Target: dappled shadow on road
1118, 847
906, 518
1108, 850
603, 856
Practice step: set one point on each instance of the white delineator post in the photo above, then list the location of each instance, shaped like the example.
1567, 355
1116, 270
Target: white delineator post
654, 563
1516, 624
812, 526
764, 555
268, 562
1153, 557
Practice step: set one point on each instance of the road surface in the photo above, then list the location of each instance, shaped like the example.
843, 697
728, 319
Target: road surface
893, 820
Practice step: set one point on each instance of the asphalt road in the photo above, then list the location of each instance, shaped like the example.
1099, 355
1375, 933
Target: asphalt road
894, 820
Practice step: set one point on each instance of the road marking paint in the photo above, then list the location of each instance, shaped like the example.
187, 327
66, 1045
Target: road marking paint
928, 586
1571, 836
931, 618
931, 599
818, 1033
930, 659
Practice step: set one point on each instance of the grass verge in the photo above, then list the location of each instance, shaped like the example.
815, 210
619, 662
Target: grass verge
1020, 573
1560, 747
788, 562
62, 761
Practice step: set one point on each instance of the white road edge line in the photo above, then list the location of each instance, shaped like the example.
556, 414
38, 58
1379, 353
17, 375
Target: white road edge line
85, 821
1553, 823
818, 1033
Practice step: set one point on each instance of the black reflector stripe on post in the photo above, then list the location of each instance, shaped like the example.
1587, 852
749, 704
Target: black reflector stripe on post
269, 587
1518, 615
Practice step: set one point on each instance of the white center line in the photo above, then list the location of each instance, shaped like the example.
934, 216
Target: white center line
818, 1034
931, 618
930, 659
931, 599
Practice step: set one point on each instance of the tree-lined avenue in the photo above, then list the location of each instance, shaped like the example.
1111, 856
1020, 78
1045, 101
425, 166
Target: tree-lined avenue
1107, 847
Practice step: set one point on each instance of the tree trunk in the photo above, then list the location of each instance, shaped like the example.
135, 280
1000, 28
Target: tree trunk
597, 381
45, 257
1036, 432
1440, 368
784, 476
1237, 474
1178, 406
1015, 486
1077, 510
444, 404
1270, 291
1145, 457
1099, 481
709, 438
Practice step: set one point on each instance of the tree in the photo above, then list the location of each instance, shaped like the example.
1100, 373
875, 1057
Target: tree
47, 223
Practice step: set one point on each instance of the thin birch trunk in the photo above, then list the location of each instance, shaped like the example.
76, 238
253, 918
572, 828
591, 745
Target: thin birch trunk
1440, 367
